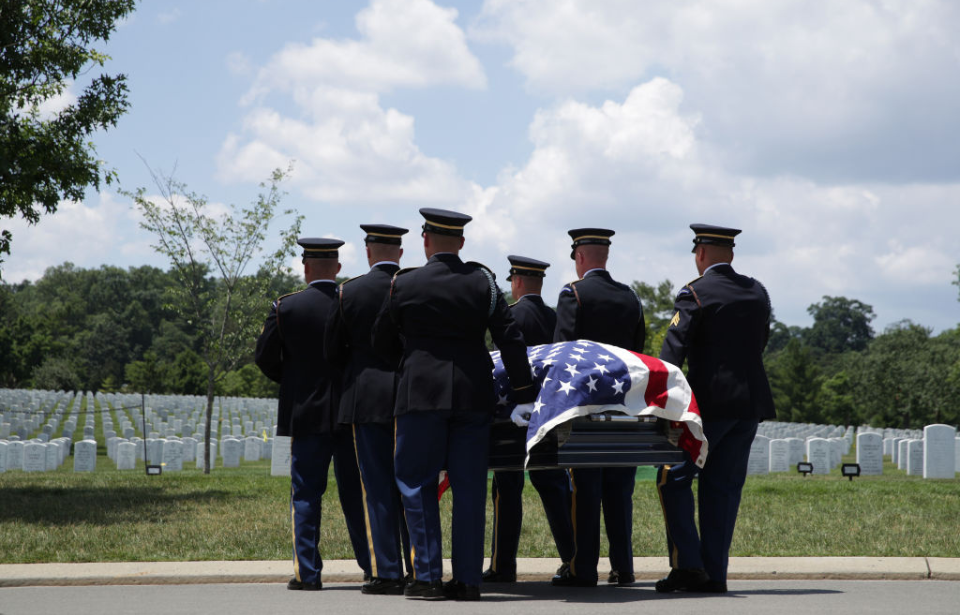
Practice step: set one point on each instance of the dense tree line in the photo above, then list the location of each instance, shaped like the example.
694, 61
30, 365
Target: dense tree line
112, 329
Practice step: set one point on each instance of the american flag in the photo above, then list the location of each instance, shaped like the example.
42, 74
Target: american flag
583, 377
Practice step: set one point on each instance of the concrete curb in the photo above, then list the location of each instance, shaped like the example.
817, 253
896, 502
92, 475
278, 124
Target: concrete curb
346, 571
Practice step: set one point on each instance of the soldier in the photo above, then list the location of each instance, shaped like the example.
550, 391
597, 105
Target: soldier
366, 404
598, 308
721, 326
289, 351
537, 322
433, 325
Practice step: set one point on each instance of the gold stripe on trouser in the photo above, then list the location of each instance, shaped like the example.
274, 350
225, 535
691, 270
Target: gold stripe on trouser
413, 549
293, 531
661, 481
573, 519
496, 532
366, 511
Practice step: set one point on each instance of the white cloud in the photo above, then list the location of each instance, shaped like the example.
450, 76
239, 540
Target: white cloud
86, 234
857, 89
403, 43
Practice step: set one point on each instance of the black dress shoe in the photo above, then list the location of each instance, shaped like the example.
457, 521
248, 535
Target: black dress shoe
563, 569
620, 580
301, 586
425, 590
682, 579
390, 587
711, 587
495, 576
571, 580
457, 590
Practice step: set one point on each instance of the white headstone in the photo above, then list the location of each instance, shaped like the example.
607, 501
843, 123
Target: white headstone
902, 453
53, 455
759, 461
172, 456
15, 455
819, 454
957, 455
126, 456
85, 456
3, 456
251, 448
914, 457
155, 451
231, 453
779, 455
836, 452
280, 459
34, 457
870, 453
797, 451
939, 451
189, 449
213, 454
888, 447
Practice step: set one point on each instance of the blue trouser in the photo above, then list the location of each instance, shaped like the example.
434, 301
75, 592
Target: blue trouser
614, 488
718, 498
616, 495
310, 458
425, 443
388, 542
507, 496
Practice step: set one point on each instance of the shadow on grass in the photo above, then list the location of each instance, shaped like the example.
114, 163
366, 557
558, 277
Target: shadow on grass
99, 505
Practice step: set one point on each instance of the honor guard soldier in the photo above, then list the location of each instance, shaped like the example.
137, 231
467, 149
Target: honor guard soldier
720, 327
366, 404
600, 309
433, 326
290, 351
537, 322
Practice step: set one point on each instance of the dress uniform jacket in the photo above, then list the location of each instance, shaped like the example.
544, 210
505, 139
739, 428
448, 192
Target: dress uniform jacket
720, 327
600, 309
289, 351
536, 320
443, 311
366, 405
433, 327
369, 382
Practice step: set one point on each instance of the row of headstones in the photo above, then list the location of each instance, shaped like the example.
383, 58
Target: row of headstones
33, 455
24, 415
936, 455
36, 456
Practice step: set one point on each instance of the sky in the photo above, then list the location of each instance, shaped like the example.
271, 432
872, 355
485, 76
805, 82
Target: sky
827, 131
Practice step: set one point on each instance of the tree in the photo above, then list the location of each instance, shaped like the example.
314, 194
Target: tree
840, 324
226, 310
44, 46
794, 378
657, 312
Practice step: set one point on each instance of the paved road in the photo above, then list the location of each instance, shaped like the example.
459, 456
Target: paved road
822, 597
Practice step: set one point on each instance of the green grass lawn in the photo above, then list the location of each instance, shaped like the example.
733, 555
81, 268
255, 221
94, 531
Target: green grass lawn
242, 514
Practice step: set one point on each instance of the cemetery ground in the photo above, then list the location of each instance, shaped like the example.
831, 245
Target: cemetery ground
241, 514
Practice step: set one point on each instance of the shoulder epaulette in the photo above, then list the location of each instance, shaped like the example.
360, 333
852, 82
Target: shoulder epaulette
404, 270
356, 277
573, 289
399, 272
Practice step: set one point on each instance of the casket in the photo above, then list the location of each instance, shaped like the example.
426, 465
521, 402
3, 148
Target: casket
597, 440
